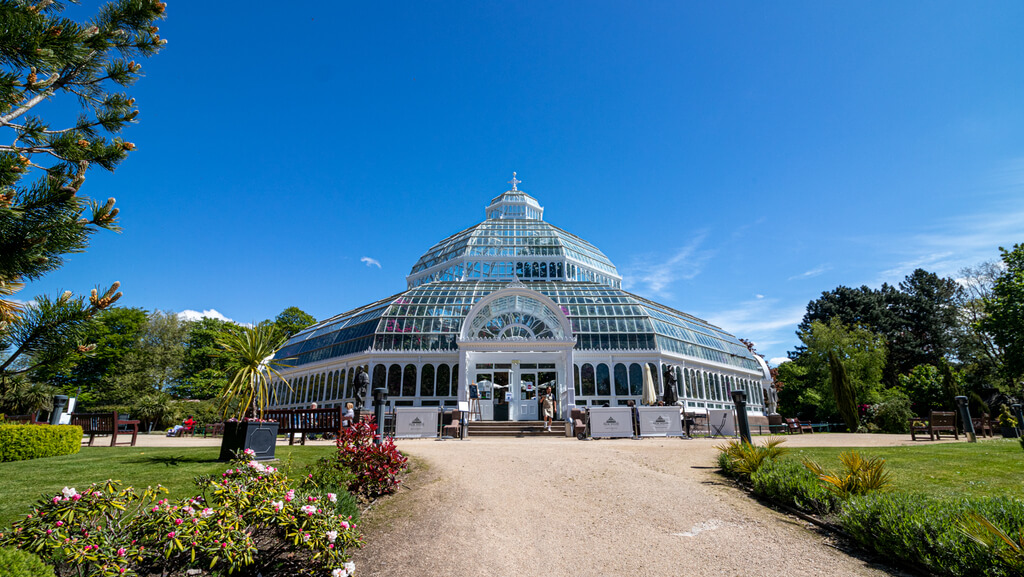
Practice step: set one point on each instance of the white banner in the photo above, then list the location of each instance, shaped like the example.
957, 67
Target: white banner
611, 422
720, 422
415, 422
660, 422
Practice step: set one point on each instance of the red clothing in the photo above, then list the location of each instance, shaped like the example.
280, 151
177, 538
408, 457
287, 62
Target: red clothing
188, 424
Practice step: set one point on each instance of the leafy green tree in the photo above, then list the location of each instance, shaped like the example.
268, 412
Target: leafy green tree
861, 354
1005, 320
44, 56
203, 372
930, 388
979, 356
842, 390
153, 362
292, 320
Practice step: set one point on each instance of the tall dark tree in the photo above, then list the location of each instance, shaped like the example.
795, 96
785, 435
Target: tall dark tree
203, 373
927, 317
44, 56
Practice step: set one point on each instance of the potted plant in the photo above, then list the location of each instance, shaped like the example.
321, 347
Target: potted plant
249, 352
1008, 424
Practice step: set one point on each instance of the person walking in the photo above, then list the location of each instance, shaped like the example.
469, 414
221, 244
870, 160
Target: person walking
547, 406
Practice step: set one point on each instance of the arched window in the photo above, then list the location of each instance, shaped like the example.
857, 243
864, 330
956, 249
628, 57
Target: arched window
689, 384
636, 379
380, 379
394, 380
576, 380
702, 383
409, 381
559, 269
621, 380
427, 381
343, 385
680, 389
455, 379
587, 379
443, 380
604, 381
655, 375
543, 270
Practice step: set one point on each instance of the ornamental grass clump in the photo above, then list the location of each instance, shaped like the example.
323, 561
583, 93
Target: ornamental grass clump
858, 476
985, 533
787, 482
248, 520
741, 459
376, 468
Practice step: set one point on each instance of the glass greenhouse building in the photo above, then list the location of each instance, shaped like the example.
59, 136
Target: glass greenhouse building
512, 305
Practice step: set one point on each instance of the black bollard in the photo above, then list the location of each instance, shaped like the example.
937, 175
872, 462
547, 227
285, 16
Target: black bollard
380, 397
59, 402
740, 400
965, 416
1020, 417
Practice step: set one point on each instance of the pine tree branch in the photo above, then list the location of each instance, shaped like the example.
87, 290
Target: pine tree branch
27, 106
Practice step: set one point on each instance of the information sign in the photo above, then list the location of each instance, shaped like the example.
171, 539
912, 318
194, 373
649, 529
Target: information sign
660, 422
608, 422
416, 422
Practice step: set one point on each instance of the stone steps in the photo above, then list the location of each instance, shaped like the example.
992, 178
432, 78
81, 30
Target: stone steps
515, 429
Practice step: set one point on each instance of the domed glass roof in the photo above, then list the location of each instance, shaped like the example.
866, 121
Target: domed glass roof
514, 242
577, 281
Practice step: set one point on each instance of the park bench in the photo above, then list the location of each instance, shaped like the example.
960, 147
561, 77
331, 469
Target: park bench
306, 422
94, 424
793, 427
983, 425
937, 422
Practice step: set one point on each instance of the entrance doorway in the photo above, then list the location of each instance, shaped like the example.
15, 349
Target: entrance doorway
510, 391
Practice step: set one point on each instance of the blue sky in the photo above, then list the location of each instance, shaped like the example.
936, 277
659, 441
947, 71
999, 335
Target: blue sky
733, 159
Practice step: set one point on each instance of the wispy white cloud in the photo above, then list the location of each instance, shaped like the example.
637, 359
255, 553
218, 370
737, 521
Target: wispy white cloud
370, 261
655, 275
776, 361
191, 315
811, 273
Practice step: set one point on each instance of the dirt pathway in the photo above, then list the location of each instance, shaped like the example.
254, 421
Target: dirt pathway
559, 507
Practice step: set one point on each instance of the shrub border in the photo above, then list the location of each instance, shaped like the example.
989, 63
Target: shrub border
24, 442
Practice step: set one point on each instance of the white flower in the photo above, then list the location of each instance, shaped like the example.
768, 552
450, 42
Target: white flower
308, 509
333, 498
350, 566
339, 572
69, 492
305, 536
249, 453
332, 535
277, 505
206, 512
189, 510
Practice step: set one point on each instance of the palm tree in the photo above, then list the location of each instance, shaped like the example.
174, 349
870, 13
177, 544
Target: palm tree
249, 352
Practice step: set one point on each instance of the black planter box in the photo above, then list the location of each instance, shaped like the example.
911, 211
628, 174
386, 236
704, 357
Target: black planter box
261, 437
1009, 432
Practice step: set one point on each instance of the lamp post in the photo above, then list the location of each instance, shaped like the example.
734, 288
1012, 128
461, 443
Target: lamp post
380, 397
1020, 416
739, 398
965, 416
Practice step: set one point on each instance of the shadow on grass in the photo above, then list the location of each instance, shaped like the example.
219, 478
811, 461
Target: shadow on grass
173, 460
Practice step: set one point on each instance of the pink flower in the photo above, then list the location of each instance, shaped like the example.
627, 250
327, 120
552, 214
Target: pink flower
332, 497
170, 535
121, 552
177, 521
59, 523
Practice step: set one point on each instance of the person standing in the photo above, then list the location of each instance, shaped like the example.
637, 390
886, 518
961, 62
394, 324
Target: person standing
547, 407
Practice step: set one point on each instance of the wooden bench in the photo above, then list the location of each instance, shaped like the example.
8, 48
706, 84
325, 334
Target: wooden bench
937, 423
306, 422
983, 425
793, 427
106, 424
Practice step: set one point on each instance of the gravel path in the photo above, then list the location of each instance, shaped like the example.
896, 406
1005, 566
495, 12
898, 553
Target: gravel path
507, 506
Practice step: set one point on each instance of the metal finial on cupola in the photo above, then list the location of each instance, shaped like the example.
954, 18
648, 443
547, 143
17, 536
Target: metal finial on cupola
514, 182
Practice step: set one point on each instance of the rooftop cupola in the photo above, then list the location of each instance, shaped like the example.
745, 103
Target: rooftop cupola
515, 204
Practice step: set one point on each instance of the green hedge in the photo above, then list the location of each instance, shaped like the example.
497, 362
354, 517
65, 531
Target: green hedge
18, 563
21, 442
923, 531
790, 483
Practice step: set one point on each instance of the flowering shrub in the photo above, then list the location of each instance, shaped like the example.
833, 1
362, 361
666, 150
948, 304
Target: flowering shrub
240, 521
376, 467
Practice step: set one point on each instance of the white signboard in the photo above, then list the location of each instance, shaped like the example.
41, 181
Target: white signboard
415, 422
720, 421
660, 422
611, 422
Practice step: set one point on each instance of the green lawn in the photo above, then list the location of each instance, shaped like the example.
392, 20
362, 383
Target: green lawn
987, 468
22, 482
